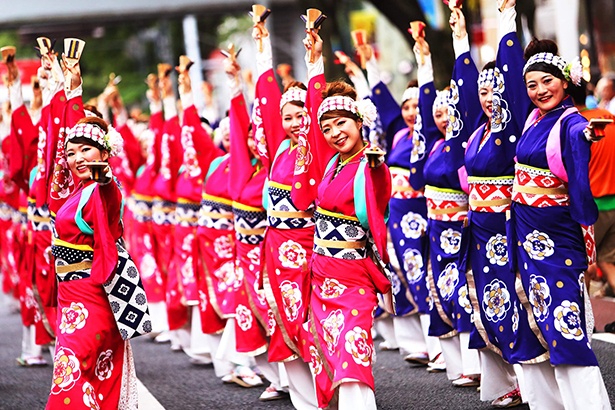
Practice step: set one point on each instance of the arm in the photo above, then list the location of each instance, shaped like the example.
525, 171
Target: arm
427, 96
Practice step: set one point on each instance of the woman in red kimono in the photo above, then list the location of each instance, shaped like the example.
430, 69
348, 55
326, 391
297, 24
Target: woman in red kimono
93, 366
349, 244
288, 243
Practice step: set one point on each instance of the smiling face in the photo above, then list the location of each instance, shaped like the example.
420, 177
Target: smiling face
343, 134
77, 154
440, 117
291, 121
485, 95
545, 90
409, 110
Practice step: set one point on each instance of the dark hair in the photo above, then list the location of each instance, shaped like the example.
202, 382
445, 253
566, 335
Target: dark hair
412, 83
296, 84
578, 92
489, 66
543, 46
92, 109
342, 88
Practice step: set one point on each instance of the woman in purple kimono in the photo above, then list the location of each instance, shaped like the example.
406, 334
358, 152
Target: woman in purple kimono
551, 209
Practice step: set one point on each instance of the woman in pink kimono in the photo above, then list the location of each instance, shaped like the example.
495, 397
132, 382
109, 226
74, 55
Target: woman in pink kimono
349, 243
93, 366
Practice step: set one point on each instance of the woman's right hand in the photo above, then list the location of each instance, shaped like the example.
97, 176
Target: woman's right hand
457, 21
313, 44
259, 31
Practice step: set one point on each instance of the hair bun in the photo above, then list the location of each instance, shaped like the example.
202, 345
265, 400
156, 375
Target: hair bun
297, 84
540, 46
339, 88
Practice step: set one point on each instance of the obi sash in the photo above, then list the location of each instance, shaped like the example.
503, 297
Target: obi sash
163, 212
339, 236
445, 204
250, 223
216, 213
400, 183
40, 218
490, 194
539, 187
187, 213
20, 216
282, 212
72, 262
141, 207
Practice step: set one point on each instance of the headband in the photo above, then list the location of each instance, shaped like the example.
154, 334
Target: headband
486, 78
111, 141
441, 101
364, 109
572, 72
411, 92
293, 94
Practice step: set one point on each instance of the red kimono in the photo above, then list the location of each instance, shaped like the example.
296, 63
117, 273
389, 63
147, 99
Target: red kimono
93, 366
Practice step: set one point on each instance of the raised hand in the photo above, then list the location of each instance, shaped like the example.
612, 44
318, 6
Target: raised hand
457, 21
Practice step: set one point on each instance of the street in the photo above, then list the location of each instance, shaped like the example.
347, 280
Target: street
178, 385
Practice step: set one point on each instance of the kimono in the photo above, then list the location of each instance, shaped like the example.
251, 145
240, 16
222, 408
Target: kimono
253, 317
447, 205
168, 157
93, 365
346, 277
408, 208
216, 238
287, 247
199, 151
552, 206
489, 164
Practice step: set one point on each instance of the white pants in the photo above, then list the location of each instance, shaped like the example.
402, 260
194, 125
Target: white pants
194, 341
384, 326
301, 385
470, 361
354, 396
565, 387
158, 315
228, 347
452, 355
497, 376
409, 334
270, 370
29, 348
433, 343
221, 367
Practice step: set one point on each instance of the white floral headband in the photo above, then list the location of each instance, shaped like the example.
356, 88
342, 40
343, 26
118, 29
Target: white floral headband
364, 109
112, 141
410, 93
572, 72
486, 78
441, 101
293, 94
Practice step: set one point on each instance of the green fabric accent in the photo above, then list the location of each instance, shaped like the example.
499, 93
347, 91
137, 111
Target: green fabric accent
181, 169
85, 197
140, 171
32, 176
284, 145
605, 203
215, 164
360, 201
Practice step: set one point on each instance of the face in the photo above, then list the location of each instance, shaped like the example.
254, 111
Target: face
252, 144
226, 142
485, 95
441, 119
409, 110
78, 154
545, 90
343, 134
291, 120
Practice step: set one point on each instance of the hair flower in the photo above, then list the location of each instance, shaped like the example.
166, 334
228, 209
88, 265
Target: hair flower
574, 72
367, 111
113, 141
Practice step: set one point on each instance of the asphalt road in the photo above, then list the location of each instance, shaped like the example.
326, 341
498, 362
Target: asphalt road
179, 385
